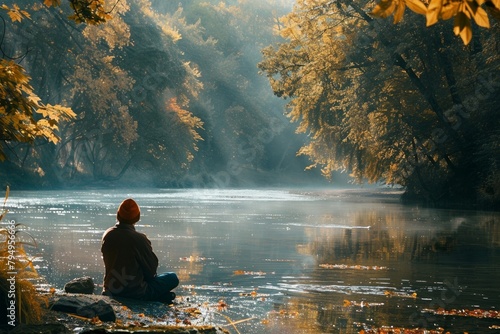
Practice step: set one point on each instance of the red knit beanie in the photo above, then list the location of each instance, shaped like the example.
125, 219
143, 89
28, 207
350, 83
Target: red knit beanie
128, 212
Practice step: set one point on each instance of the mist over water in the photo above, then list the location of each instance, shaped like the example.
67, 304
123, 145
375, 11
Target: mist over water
298, 261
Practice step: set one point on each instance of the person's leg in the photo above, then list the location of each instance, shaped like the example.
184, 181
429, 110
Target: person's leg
159, 288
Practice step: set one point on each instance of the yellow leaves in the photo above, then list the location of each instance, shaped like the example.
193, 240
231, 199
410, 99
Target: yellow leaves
384, 8
172, 32
89, 11
462, 27
479, 14
52, 3
18, 114
15, 13
186, 118
433, 11
391, 293
462, 11
417, 6
449, 10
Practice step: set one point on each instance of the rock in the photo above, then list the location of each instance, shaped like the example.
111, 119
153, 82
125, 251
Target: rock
85, 307
70, 304
80, 285
99, 309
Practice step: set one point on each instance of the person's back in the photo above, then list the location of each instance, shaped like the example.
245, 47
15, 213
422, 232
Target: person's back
130, 261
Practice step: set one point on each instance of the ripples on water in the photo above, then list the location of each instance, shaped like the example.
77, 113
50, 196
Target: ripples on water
261, 251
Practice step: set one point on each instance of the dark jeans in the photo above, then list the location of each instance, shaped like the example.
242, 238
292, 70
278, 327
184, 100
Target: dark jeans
159, 287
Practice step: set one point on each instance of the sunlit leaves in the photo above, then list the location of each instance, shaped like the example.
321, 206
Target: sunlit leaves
417, 6
386, 8
186, 121
15, 13
52, 3
361, 109
100, 83
89, 11
116, 33
85, 11
461, 10
18, 106
462, 27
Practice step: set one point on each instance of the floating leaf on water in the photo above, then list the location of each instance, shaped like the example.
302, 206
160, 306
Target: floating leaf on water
285, 313
250, 273
390, 293
392, 330
353, 267
221, 305
253, 294
475, 313
348, 303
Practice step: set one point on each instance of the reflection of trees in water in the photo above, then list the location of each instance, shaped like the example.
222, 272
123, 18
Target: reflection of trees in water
393, 237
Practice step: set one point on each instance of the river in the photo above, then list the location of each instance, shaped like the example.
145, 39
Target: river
294, 261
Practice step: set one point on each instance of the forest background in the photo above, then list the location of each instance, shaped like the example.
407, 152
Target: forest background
169, 94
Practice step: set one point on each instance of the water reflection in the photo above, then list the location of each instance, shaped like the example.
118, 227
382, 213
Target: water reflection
293, 261
445, 261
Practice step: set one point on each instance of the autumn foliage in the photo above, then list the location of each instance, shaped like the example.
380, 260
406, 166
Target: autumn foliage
400, 104
23, 117
463, 12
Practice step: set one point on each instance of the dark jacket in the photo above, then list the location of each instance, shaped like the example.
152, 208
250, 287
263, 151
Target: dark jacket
129, 261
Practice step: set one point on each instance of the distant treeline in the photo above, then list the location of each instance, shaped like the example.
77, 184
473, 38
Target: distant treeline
169, 94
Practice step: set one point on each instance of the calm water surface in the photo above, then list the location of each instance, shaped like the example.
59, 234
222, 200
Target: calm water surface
298, 261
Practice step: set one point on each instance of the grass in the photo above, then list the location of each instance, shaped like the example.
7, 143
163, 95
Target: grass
16, 270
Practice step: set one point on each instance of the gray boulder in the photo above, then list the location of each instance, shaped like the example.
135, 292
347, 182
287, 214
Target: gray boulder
99, 309
85, 307
70, 304
80, 285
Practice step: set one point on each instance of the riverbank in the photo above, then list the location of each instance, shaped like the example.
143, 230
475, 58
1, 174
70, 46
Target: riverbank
184, 315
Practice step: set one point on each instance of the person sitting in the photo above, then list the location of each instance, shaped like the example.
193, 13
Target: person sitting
130, 263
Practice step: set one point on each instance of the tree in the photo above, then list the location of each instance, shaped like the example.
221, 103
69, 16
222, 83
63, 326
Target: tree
385, 102
119, 98
23, 116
